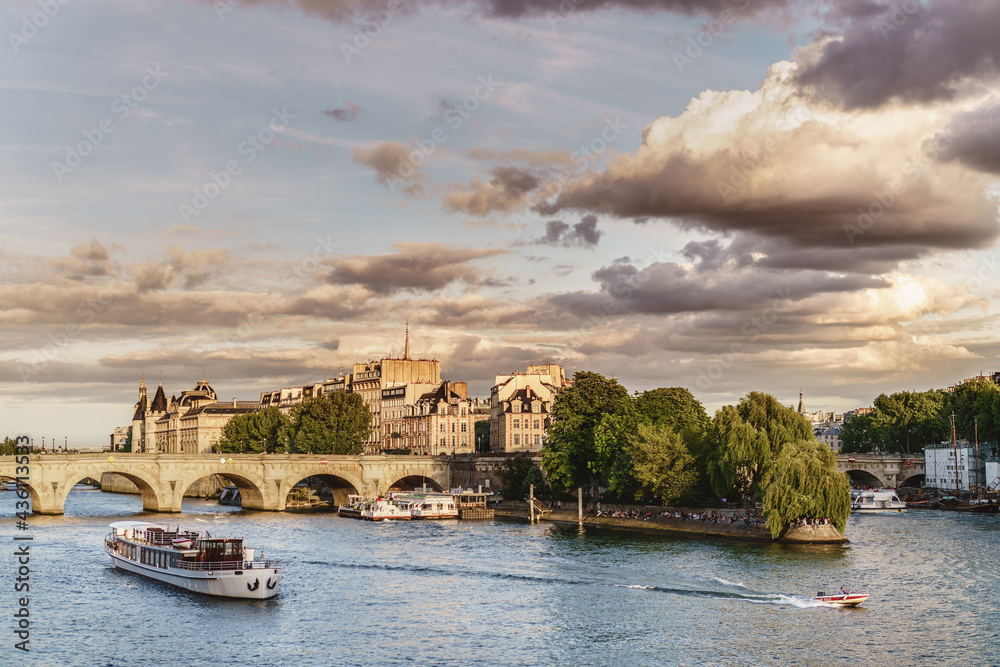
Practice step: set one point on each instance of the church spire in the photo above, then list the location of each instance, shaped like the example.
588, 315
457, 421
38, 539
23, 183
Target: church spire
406, 350
801, 407
142, 383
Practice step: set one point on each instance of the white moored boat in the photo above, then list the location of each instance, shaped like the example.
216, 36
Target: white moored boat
867, 502
382, 509
428, 505
192, 561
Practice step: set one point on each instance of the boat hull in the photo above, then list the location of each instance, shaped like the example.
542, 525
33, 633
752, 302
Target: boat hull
252, 584
849, 600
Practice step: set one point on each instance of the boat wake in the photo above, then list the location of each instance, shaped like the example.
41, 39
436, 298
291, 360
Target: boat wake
752, 597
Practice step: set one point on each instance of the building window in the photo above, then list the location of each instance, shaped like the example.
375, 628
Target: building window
444, 440
465, 428
517, 423
442, 429
453, 427
538, 423
517, 440
538, 440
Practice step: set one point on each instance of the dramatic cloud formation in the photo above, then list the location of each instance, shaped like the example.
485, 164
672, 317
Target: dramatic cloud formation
974, 138
414, 266
346, 113
776, 166
910, 51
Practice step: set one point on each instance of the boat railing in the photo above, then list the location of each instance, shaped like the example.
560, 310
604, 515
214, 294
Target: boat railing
230, 565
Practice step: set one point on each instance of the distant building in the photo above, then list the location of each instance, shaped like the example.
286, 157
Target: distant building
829, 435
521, 407
940, 469
437, 421
119, 438
191, 424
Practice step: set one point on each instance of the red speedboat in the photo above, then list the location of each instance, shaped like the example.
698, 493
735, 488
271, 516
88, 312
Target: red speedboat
848, 599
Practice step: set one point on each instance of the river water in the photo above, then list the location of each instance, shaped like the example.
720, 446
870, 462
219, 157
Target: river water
498, 593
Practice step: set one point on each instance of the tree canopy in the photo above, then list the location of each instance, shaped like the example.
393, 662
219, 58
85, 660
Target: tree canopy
336, 423
264, 431
804, 482
517, 473
570, 457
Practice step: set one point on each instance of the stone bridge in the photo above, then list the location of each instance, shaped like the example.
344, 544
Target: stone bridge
264, 480
882, 470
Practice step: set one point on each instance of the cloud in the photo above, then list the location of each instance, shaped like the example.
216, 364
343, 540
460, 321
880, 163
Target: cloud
973, 138
506, 191
909, 51
393, 165
529, 157
346, 113
414, 266
86, 259
583, 234
342, 11
192, 269
798, 173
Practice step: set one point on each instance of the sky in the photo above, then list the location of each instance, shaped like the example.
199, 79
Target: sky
728, 195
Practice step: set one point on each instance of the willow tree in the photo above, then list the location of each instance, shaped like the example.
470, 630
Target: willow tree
744, 441
804, 482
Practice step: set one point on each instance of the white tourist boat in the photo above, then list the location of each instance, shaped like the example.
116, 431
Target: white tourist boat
192, 561
869, 502
383, 509
428, 505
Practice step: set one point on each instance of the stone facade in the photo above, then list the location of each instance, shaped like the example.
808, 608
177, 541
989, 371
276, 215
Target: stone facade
191, 424
440, 420
521, 405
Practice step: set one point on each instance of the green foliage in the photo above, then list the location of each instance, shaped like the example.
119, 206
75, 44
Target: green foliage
662, 465
482, 435
255, 432
517, 472
859, 434
8, 447
127, 445
908, 420
804, 482
337, 423
673, 407
570, 457
613, 458
974, 404
744, 442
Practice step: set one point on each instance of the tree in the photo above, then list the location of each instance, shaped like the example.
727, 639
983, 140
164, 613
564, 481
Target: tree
804, 482
975, 404
481, 431
674, 407
613, 458
569, 456
263, 431
745, 440
337, 423
662, 465
909, 420
517, 472
859, 434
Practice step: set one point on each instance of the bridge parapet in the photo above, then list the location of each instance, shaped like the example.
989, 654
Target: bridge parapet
889, 470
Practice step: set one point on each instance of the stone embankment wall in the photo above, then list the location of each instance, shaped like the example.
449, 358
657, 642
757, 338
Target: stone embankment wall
206, 486
689, 528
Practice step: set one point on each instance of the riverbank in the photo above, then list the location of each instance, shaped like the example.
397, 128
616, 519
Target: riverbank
689, 528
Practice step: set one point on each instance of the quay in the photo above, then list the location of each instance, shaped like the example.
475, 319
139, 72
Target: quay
693, 528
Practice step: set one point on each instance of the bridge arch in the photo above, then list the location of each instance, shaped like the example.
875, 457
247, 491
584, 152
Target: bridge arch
861, 478
146, 483
339, 486
913, 481
411, 482
32, 491
251, 486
